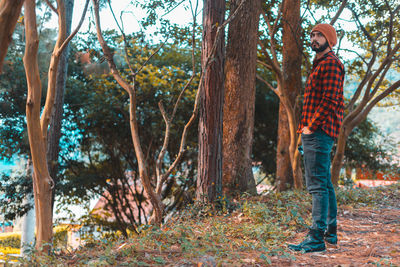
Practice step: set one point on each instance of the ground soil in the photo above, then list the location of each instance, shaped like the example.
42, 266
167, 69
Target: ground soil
367, 237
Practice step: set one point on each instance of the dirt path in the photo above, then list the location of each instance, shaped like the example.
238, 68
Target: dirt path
367, 237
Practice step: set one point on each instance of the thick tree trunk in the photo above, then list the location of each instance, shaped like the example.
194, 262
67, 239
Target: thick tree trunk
284, 173
291, 85
209, 174
42, 181
53, 144
239, 100
9, 14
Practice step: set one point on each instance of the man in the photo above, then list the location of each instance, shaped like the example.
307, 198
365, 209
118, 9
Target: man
322, 116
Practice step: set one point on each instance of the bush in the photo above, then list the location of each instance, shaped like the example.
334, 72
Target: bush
60, 236
10, 240
13, 240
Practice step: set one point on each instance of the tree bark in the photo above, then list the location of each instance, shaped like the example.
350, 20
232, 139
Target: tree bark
53, 147
209, 175
9, 14
239, 99
291, 85
42, 182
284, 173
38, 124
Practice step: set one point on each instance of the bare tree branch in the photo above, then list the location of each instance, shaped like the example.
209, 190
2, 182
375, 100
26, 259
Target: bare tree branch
72, 35
339, 12
51, 6
275, 90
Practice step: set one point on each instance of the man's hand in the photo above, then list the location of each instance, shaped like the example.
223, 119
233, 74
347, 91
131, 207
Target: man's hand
306, 130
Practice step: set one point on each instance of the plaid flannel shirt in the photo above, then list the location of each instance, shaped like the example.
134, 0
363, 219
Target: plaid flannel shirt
323, 105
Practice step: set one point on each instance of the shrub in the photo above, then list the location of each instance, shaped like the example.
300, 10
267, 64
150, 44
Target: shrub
60, 236
13, 240
10, 240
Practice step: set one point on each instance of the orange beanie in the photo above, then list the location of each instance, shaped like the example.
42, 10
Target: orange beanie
328, 31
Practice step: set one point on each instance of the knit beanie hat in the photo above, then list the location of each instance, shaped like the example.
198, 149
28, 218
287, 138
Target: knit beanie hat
328, 31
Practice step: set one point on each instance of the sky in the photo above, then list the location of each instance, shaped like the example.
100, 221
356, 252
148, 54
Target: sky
132, 15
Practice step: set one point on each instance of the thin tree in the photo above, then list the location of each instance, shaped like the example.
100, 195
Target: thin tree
239, 98
38, 124
53, 148
153, 192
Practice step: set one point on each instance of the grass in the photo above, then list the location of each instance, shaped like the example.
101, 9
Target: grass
249, 231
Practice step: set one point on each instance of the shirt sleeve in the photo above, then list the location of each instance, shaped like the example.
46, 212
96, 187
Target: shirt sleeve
331, 75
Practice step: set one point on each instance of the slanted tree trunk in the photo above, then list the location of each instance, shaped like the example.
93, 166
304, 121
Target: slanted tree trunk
239, 99
291, 85
209, 174
53, 148
9, 13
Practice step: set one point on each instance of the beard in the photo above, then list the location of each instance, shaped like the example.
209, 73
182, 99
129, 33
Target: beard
321, 48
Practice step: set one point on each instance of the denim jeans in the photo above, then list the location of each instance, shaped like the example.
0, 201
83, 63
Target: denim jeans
317, 148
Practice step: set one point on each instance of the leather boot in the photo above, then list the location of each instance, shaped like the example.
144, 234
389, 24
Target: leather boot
330, 235
314, 242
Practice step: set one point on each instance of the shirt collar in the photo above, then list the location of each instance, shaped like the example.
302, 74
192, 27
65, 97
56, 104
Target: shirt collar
317, 61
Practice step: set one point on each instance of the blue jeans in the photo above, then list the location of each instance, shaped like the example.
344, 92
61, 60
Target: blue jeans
317, 148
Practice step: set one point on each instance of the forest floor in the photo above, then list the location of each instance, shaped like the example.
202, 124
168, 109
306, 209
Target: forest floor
255, 231
368, 236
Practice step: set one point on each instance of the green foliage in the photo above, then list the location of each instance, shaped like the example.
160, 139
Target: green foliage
265, 128
60, 236
97, 130
373, 197
367, 146
14, 188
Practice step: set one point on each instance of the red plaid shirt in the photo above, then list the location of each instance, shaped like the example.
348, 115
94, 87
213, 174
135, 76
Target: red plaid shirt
323, 105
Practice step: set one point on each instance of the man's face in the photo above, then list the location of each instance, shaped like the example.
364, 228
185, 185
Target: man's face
318, 42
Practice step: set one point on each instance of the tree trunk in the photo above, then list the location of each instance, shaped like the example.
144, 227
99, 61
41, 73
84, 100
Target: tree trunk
291, 85
239, 100
209, 174
339, 154
284, 173
41, 179
9, 14
53, 144
38, 125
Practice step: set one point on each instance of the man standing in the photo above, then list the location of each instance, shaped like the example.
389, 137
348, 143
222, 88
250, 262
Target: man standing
322, 115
